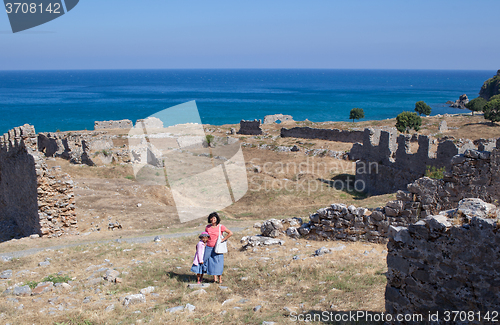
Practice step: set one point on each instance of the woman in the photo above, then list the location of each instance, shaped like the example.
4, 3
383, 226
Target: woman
214, 261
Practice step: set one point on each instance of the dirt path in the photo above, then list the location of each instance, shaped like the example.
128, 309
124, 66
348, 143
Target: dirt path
136, 240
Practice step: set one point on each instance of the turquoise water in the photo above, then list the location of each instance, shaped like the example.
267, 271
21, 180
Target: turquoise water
73, 100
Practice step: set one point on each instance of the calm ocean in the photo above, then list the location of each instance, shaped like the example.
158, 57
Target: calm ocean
73, 100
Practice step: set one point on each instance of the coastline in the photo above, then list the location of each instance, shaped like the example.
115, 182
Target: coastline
73, 100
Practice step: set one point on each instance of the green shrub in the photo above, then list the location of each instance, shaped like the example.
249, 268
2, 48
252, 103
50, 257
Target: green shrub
406, 121
54, 278
433, 172
492, 110
210, 139
356, 114
32, 284
476, 105
422, 108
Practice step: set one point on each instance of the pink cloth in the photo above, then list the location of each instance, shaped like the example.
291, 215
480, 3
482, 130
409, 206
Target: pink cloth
200, 252
214, 233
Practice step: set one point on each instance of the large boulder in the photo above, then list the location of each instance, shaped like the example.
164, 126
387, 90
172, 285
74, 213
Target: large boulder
460, 102
470, 208
271, 228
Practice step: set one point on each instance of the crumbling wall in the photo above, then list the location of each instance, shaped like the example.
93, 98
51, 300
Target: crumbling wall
82, 147
270, 119
386, 163
447, 262
73, 147
323, 134
474, 174
33, 198
250, 127
149, 123
56, 202
106, 125
20, 165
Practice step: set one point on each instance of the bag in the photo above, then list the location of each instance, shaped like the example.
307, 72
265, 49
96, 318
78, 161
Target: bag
220, 247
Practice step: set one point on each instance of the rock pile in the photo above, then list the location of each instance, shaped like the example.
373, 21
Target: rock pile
342, 222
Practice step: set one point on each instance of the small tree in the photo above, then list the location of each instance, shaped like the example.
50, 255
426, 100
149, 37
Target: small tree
476, 105
356, 114
492, 110
422, 108
407, 120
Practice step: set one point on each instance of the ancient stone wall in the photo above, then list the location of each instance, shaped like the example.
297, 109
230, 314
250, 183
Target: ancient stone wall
73, 147
82, 147
386, 162
323, 134
19, 166
106, 125
474, 174
33, 198
149, 123
250, 127
270, 119
446, 262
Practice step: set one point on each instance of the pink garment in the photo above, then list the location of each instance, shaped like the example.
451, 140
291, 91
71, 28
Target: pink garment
214, 233
200, 252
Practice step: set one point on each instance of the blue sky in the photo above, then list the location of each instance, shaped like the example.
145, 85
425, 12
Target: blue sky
357, 34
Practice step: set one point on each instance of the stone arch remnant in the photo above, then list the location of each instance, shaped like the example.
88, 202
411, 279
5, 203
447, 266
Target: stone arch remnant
270, 119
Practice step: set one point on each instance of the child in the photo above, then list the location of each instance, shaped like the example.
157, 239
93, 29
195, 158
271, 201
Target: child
198, 267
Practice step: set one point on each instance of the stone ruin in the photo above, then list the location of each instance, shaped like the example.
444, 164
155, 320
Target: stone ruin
81, 147
74, 148
442, 235
250, 127
474, 174
270, 119
149, 123
107, 125
34, 199
443, 126
446, 262
323, 134
386, 162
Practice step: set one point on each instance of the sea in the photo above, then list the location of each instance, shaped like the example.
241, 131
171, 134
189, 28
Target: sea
73, 99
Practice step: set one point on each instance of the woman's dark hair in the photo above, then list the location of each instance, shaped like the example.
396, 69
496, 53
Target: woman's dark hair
213, 214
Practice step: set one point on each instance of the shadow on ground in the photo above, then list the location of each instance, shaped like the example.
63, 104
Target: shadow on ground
345, 183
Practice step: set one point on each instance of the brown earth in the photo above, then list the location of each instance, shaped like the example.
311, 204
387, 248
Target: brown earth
281, 184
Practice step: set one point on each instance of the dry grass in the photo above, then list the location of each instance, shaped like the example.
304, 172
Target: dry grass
274, 279
110, 193
340, 281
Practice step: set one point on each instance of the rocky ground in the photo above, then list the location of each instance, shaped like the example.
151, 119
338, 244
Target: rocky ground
89, 284
123, 283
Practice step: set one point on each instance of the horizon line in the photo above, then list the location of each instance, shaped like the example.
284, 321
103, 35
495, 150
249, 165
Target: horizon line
193, 69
